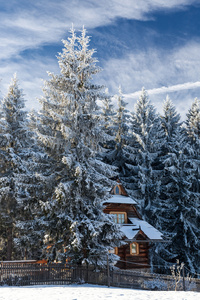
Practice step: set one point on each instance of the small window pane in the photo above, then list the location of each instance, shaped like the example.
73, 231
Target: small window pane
121, 218
115, 218
133, 248
117, 190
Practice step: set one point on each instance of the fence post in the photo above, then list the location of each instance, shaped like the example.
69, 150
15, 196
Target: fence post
86, 273
108, 272
184, 278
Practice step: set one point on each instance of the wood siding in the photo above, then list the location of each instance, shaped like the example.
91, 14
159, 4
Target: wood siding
120, 207
128, 261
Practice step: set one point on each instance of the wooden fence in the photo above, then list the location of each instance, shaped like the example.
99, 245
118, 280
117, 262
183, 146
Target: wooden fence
19, 274
33, 274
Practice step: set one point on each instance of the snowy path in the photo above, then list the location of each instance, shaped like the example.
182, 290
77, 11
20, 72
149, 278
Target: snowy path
88, 292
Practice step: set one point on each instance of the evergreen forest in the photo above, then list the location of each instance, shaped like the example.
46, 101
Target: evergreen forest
58, 165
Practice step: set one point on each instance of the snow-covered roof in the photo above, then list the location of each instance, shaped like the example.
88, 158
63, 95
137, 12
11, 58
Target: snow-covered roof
120, 199
131, 230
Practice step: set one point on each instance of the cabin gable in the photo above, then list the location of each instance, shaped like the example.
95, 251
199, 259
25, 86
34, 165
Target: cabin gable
118, 189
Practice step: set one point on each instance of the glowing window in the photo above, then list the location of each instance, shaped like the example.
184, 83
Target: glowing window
134, 249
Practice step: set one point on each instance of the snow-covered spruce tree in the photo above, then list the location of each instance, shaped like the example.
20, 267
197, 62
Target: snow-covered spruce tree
172, 126
170, 118
180, 211
30, 222
145, 149
193, 121
193, 136
69, 132
16, 179
192, 132
107, 114
121, 122
116, 154
171, 123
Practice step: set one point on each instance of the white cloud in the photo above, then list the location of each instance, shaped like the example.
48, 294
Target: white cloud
35, 23
31, 73
175, 72
169, 89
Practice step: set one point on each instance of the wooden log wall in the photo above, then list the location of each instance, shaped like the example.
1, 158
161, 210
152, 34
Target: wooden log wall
128, 261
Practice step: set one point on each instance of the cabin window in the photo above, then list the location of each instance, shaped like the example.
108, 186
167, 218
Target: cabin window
117, 190
114, 250
134, 249
119, 217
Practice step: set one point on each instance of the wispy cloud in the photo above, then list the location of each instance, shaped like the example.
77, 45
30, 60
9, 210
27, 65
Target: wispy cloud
164, 89
34, 23
160, 72
28, 25
31, 73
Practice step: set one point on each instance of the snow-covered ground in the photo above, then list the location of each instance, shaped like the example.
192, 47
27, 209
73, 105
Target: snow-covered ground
88, 292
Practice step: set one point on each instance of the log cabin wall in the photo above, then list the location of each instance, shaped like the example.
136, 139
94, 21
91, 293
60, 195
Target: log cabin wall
128, 261
129, 209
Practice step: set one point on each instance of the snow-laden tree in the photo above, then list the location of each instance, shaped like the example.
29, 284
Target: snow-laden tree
16, 179
171, 123
170, 118
30, 222
192, 132
180, 209
121, 122
70, 133
107, 122
146, 145
193, 121
116, 154
193, 137
172, 126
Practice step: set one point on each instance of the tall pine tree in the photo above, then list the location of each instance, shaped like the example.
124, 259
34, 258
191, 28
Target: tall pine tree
192, 133
70, 134
144, 163
172, 127
181, 211
116, 153
178, 216
16, 185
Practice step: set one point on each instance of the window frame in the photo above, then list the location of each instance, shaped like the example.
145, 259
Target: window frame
119, 187
137, 248
114, 251
120, 213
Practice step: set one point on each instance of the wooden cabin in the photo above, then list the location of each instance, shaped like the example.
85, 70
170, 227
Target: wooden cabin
138, 234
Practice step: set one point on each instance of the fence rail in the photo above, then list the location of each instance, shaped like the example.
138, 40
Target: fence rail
14, 274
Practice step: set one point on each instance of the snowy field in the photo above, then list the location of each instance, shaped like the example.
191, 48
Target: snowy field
88, 292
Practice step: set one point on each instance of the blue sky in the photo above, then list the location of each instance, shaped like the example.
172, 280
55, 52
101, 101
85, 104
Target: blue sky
150, 43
